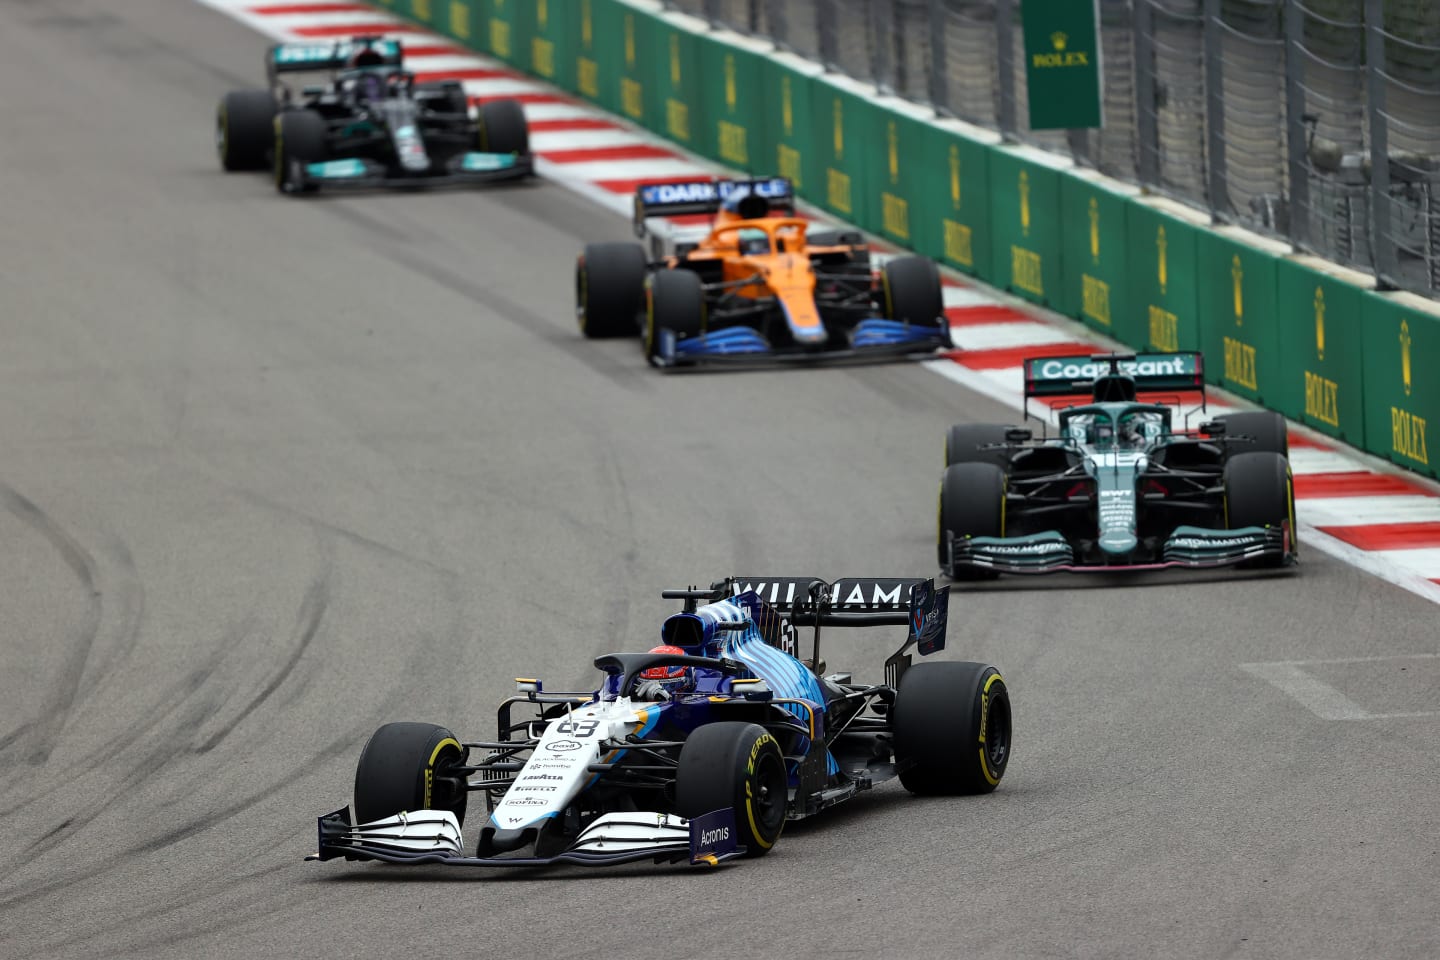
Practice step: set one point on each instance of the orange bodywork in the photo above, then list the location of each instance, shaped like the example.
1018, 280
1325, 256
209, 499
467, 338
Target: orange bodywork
779, 265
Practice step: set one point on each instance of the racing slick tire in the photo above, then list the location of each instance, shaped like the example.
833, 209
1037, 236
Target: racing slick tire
1268, 429
910, 287
1260, 492
501, 128
972, 504
404, 767
610, 289
951, 724
963, 441
299, 139
675, 301
245, 129
739, 765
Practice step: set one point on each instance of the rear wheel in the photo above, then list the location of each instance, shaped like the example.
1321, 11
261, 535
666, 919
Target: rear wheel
972, 504
963, 443
610, 289
1259, 492
502, 127
952, 728
676, 302
245, 129
736, 765
1267, 430
299, 140
406, 767
911, 290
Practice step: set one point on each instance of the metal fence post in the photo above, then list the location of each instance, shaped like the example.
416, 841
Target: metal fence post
1382, 244
1005, 66
825, 33
1218, 195
1296, 141
1147, 131
935, 85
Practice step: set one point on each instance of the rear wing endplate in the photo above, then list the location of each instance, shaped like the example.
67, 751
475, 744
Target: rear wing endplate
707, 196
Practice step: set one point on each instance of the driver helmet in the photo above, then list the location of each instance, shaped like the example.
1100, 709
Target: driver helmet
754, 241
365, 57
674, 674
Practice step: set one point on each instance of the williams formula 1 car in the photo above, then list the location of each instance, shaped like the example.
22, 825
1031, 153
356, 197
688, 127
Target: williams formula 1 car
756, 287
1120, 487
370, 125
698, 750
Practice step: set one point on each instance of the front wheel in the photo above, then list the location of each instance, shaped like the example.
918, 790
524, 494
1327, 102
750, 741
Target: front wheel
406, 767
299, 140
1260, 492
501, 128
952, 728
911, 288
676, 302
736, 765
972, 504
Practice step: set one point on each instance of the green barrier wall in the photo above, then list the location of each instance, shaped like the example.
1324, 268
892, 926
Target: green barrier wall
1401, 338
846, 129
786, 88
552, 27
677, 112
1292, 333
1320, 349
1025, 225
1093, 261
906, 178
732, 111
1238, 328
963, 209
1163, 287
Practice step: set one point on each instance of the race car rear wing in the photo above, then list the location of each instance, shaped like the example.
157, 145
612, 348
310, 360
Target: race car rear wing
1152, 372
851, 602
707, 196
304, 57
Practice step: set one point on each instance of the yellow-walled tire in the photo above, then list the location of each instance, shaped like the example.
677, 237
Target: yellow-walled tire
404, 767
952, 728
739, 765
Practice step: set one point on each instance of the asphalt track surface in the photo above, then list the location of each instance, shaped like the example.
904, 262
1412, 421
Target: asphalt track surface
277, 472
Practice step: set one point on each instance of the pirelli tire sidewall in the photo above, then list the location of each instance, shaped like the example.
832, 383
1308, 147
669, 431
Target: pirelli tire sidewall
245, 129
910, 291
675, 301
972, 504
610, 289
739, 765
500, 127
1260, 492
952, 728
403, 768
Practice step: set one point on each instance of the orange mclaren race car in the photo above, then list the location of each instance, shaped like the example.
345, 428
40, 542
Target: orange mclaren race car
760, 285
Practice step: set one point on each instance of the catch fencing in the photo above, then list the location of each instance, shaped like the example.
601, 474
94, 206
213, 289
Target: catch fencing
1270, 114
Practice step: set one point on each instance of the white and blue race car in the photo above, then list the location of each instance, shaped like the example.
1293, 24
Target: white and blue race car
700, 749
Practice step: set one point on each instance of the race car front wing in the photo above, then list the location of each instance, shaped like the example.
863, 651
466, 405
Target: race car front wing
871, 338
434, 837
463, 169
1050, 552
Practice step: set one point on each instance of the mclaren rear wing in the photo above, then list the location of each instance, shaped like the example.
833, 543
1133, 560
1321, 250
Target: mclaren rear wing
707, 196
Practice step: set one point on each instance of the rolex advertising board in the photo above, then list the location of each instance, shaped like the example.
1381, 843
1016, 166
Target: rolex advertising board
1164, 311
1063, 75
1238, 329
1093, 252
552, 29
792, 145
907, 178
1025, 223
732, 111
1320, 349
1401, 334
677, 112
962, 204
847, 126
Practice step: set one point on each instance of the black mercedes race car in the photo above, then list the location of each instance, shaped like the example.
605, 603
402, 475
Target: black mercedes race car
370, 125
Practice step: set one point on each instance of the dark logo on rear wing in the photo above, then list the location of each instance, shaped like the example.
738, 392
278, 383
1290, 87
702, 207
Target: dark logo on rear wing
850, 595
707, 196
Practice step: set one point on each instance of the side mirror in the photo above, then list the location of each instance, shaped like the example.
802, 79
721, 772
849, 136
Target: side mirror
752, 689
1215, 428
1018, 434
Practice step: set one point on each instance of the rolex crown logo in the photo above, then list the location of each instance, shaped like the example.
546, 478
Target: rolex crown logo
1059, 38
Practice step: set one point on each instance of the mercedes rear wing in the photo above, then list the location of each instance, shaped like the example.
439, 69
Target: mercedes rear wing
707, 196
304, 57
